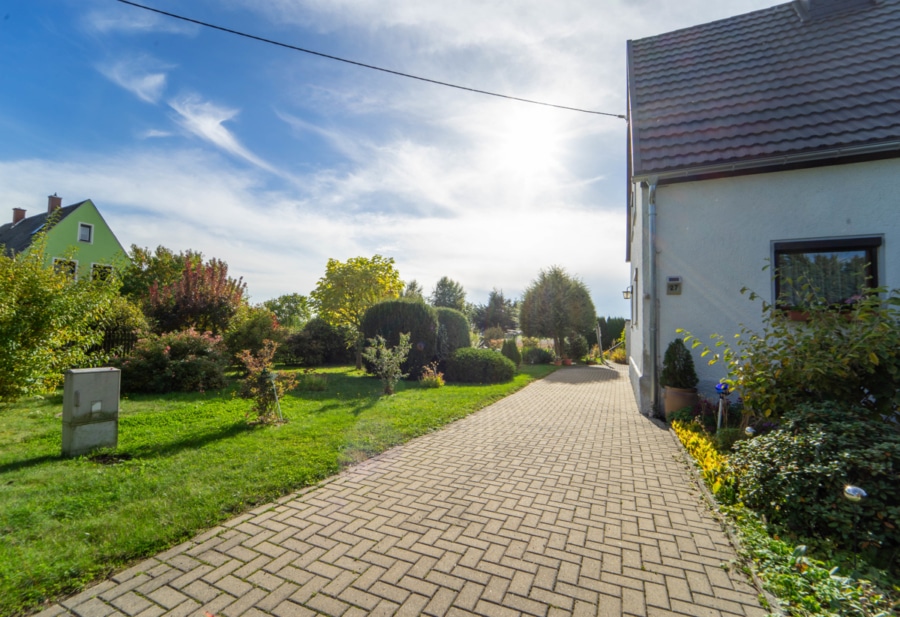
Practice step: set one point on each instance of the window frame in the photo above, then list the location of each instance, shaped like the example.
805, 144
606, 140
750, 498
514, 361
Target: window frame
90, 229
57, 266
96, 267
869, 244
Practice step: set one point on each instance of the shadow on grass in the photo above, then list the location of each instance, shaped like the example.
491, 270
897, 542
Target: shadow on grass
30, 462
197, 441
144, 451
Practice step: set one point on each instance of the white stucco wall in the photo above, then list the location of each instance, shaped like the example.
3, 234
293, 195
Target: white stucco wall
718, 235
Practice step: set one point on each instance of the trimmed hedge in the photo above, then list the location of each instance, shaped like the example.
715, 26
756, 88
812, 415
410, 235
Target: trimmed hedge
470, 365
391, 318
511, 351
454, 331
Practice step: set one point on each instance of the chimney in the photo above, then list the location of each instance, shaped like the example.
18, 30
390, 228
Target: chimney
18, 215
53, 203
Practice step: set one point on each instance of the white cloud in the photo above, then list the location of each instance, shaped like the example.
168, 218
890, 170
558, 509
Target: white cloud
280, 241
132, 20
134, 76
205, 120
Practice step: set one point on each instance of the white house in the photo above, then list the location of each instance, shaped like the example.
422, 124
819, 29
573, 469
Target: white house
752, 140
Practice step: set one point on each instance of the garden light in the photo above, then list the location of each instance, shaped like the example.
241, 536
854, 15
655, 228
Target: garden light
722, 389
854, 493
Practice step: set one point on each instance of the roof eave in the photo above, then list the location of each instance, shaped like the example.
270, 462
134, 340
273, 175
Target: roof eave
774, 163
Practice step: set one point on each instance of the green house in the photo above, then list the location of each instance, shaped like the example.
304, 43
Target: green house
78, 239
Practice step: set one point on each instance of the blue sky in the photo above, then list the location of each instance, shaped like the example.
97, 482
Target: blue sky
275, 161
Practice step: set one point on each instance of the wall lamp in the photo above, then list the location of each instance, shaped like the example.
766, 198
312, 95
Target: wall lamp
627, 293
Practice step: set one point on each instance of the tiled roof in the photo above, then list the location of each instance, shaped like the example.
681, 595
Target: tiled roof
16, 238
766, 84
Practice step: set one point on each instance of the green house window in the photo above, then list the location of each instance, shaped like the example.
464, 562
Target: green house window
837, 270
66, 266
100, 272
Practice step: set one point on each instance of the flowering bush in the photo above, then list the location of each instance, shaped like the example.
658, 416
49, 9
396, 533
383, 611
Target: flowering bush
184, 361
430, 377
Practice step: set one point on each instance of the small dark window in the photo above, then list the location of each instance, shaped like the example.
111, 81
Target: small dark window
837, 271
66, 266
100, 272
85, 233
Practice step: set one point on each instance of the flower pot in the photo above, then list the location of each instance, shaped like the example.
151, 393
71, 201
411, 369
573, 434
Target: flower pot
679, 398
567, 361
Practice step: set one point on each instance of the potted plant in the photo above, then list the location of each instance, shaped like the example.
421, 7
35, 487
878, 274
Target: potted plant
679, 378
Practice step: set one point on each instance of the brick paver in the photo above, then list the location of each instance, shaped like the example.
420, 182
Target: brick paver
558, 500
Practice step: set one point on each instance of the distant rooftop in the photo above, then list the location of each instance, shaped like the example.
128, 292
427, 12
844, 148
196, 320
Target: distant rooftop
811, 78
16, 238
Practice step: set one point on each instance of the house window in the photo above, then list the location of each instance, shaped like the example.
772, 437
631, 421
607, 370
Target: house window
100, 272
85, 233
837, 270
67, 267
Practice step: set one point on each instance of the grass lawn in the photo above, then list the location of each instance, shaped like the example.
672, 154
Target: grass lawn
187, 462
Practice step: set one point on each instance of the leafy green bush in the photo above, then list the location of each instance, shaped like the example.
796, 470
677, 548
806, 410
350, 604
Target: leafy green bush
320, 343
249, 329
576, 346
453, 331
511, 351
184, 361
470, 365
796, 476
848, 356
536, 355
390, 318
386, 361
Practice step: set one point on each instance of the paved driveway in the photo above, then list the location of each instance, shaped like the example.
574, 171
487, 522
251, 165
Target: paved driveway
560, 499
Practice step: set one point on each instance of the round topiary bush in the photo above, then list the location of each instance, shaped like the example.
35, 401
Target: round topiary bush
391, 318
470, 365
454, 331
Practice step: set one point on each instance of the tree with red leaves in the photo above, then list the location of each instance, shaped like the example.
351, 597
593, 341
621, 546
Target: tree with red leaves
204, 298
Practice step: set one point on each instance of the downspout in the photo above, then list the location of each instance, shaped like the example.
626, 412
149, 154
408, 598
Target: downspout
653, 303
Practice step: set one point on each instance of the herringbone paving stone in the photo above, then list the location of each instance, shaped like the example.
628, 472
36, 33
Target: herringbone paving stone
561, 499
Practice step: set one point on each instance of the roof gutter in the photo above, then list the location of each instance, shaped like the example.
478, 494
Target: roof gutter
769, 163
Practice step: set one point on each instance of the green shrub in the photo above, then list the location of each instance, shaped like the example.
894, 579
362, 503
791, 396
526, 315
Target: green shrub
848, 356
511, 351
494, 336
536, 355
390, 318
576, 346
386, 361
795, 476
470, 365
678, 367
249, 329
454, 331
320, 343
726, 437
184, 361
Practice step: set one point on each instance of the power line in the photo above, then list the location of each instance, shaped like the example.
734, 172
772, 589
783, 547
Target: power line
362, 64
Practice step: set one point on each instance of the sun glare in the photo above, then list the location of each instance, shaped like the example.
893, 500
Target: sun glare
529, 142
